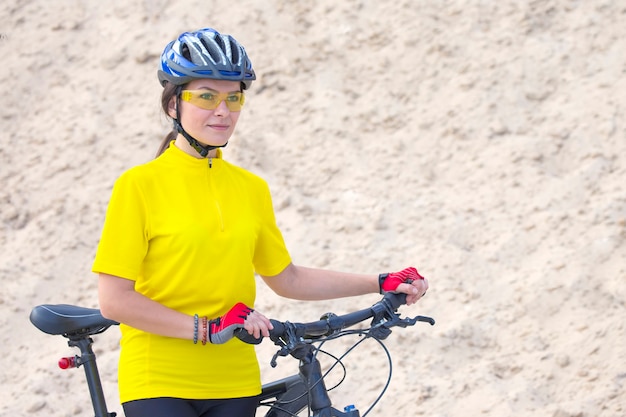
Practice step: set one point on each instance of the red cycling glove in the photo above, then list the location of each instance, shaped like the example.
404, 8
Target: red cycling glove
389, 282
222, 329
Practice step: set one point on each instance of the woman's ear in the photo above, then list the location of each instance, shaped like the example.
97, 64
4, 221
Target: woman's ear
171, 108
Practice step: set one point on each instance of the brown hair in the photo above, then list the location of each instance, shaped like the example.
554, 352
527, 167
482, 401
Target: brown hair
169, 91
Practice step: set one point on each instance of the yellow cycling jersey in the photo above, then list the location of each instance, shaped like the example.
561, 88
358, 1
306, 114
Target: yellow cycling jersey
191, 236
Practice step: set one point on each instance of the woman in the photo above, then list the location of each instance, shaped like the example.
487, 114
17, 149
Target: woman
183, 238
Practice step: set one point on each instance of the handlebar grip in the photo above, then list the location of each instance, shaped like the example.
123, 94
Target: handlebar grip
243, 335
395, 299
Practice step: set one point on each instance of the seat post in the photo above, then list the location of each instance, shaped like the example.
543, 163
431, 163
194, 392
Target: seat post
88, 360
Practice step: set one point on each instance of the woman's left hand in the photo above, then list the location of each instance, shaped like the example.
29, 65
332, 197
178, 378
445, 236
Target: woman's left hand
407, 281
414, 290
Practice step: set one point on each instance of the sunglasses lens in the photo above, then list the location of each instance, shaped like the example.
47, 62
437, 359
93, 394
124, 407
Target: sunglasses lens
210, 100
234, 101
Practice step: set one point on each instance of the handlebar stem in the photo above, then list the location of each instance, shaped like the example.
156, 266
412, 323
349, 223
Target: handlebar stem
311, 372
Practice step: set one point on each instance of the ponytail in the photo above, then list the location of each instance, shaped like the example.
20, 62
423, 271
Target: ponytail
165, 143
169, 92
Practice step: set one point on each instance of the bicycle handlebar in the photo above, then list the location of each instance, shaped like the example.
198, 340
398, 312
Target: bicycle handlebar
382, 310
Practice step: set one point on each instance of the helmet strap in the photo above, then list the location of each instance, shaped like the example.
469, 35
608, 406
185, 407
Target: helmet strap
202, 149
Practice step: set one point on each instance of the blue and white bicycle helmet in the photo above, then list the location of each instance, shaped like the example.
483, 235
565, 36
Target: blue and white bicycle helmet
205, 54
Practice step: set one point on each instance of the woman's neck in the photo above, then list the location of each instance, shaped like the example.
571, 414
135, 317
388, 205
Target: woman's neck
182, 144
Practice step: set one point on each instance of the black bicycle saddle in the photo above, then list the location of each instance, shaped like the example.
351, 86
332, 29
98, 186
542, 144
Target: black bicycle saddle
69, 320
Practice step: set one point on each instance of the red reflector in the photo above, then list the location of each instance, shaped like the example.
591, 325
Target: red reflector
66, 363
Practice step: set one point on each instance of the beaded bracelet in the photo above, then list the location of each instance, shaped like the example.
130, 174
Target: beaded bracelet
205, 330
195, 329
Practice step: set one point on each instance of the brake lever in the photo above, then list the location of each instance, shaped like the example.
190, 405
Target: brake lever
405, 322
425, 319
284, 351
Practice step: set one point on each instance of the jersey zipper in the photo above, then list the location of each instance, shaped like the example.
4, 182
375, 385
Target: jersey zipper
214, 195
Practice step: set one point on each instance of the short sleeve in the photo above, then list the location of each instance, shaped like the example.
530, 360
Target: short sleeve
271, 256
124, 240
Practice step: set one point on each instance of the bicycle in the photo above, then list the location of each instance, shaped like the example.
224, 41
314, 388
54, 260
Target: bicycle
286, 397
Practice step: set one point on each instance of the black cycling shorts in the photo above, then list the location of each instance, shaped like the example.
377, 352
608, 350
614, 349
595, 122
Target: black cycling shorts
179, 407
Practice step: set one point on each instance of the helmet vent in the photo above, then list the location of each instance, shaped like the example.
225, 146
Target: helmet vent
234, 48
220, 43
210, 50
184, 51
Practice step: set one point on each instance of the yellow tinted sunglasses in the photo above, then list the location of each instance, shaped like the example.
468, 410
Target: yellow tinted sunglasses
210, 99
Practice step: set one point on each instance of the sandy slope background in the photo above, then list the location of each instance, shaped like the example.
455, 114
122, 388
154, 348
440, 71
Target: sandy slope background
482, 141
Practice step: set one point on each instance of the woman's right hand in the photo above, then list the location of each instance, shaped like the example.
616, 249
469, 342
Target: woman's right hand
222, 329
258, 325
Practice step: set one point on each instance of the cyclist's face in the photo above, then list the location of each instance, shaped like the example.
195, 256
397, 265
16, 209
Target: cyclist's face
210, 127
